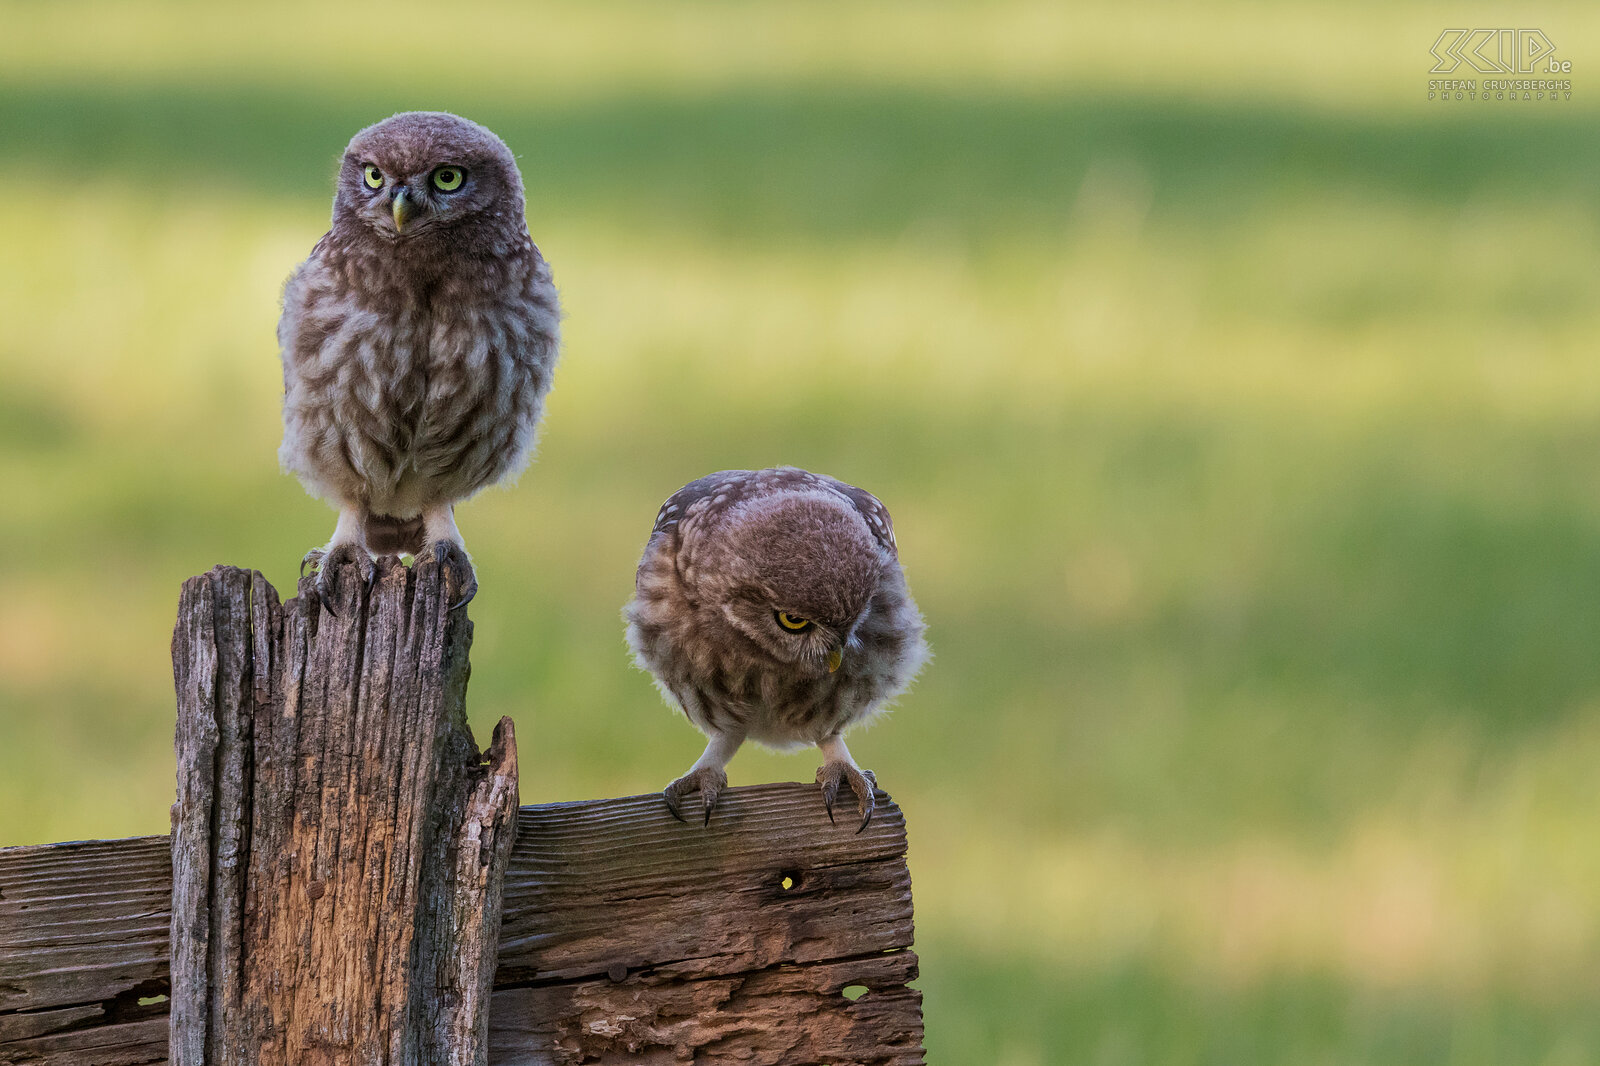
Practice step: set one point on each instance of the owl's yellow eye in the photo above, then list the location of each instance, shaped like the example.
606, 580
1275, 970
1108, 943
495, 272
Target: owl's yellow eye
447, 179
793, 624
373, 176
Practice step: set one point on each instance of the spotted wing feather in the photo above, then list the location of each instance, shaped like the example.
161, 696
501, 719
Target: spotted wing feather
677, 505
874, 513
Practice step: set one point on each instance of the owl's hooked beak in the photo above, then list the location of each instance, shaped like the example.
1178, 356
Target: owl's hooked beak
835, 657
405, 209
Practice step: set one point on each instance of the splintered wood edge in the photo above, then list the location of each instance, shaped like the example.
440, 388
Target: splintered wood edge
603, 898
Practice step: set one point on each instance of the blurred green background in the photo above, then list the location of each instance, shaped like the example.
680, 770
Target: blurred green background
1237, 408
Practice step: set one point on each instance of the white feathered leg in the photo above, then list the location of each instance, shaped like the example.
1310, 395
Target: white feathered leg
446, 547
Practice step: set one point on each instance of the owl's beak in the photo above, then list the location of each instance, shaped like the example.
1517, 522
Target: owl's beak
835, 657
405, 209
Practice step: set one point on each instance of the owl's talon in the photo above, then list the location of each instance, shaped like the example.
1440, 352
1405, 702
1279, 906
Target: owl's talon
831, 774
330, 563
867, 800
709, 781
460, 580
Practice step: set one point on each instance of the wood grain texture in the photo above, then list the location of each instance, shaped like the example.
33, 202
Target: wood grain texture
84, 923
637, 938
785, 1015
626, 936
338, 844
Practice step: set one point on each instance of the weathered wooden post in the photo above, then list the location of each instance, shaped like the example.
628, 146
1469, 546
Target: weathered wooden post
338, 845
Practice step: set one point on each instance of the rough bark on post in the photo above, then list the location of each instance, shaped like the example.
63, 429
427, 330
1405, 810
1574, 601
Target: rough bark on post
339, 844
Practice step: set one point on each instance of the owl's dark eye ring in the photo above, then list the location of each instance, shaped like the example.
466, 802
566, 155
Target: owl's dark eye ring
790, 623
448, 179
372, 176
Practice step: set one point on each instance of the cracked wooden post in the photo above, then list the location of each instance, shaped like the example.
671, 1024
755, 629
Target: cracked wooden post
339, 844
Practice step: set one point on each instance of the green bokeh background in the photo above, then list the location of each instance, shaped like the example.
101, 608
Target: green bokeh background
1236, 405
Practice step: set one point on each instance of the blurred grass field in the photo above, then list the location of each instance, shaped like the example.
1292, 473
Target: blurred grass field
1237, 409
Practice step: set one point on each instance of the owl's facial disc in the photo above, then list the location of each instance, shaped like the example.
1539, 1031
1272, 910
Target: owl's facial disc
422, 200
413, 201
786, 636
417, 176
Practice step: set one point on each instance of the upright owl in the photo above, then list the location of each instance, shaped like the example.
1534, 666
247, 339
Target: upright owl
418, 342
770, 606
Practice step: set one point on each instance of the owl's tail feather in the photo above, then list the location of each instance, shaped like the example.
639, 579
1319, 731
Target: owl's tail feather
388, 535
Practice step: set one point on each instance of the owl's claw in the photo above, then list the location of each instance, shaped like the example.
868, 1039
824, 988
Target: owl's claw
460, 579
709, 781
328, 564
862, 782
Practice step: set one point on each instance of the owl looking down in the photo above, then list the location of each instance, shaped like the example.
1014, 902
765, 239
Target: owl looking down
418, 342
770, 606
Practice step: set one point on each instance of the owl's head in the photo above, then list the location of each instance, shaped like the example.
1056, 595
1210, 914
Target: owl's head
421, 174
794, 572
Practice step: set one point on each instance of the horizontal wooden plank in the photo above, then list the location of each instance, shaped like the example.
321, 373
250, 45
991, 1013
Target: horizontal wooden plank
140, 1043
635, 888
613, 910
83, 923
787, 1014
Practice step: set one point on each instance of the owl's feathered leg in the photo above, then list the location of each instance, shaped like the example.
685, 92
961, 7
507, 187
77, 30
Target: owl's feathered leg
838, 766
446, 547
349, 545
707, 776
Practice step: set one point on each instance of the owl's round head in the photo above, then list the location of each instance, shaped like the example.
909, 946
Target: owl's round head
422, 174
794, 572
